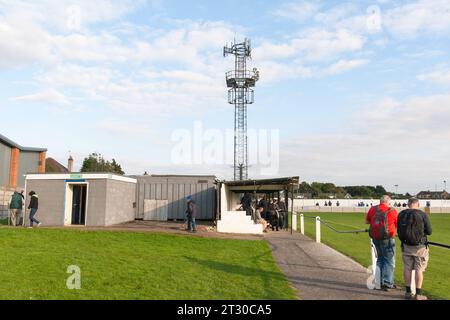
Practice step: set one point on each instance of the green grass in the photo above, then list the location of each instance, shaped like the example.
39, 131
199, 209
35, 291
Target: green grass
120, 265
357, 246
3, 222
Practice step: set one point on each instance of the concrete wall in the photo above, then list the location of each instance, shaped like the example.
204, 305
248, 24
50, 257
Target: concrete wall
5, 162
352, 204
96, 206
51, 195
121, 197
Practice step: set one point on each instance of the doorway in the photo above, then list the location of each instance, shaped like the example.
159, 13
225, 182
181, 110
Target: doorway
79, 196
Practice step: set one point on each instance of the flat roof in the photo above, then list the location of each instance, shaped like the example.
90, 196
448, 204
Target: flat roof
12, 144
175, 176
263, 185
79, 176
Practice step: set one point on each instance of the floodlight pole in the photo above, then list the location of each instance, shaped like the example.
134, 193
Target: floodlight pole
240, 81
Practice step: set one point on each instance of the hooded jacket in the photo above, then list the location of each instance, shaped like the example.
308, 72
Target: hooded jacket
34, 202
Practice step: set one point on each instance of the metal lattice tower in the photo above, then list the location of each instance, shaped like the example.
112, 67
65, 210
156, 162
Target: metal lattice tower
240, 81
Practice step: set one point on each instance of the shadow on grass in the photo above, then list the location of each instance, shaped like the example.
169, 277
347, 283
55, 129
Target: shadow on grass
270, 279
237, 269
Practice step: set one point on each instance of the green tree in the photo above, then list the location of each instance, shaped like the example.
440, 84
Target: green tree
95, 162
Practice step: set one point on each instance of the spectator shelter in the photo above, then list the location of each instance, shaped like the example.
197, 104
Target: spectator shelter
231, 220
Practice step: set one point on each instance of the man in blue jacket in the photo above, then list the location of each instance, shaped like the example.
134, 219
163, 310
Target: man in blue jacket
191, 212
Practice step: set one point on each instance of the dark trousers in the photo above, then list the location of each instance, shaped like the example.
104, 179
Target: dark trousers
32, 218
191, 225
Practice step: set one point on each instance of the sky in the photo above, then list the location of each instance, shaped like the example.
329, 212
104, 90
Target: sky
354, 92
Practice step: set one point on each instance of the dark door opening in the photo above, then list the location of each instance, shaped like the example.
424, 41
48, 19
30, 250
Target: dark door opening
79, 204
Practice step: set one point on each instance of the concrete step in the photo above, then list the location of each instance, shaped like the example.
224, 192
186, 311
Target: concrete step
238, 222
239, 228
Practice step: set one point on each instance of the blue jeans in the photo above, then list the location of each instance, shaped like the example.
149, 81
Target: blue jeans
191, 225
386, 260
32, 218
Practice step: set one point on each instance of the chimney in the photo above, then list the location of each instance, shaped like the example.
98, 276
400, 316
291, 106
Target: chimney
70, 164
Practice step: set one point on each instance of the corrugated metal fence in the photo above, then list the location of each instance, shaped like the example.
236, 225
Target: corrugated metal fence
175, 189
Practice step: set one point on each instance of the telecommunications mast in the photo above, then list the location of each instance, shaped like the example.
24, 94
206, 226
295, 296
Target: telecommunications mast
240, 81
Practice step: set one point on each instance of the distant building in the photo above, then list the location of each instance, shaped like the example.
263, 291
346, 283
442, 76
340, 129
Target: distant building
433, 195
16, 161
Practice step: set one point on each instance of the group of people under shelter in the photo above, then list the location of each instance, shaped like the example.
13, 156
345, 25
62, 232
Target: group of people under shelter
272, 213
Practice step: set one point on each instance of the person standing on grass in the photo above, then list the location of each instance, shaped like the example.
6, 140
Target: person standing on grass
33, 206
15, 207
413, 228
383, 225
191, 212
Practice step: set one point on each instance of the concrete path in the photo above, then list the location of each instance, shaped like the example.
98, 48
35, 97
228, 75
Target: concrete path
319, 272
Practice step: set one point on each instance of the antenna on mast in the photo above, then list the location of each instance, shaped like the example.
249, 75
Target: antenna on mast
240, 81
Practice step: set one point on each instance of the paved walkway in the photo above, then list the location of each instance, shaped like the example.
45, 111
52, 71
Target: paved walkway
319, 272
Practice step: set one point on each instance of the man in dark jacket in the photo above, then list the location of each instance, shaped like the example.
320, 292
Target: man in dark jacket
246, 203
191, 212
33, 206
283, 214
274, 216
415, 250
15, 207
265, 208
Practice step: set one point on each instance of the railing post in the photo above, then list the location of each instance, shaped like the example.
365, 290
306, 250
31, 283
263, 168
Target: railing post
318, 229
375, 270
302, 224
294, 221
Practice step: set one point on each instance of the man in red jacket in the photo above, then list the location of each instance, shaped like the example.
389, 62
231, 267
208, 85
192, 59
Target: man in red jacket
383, 226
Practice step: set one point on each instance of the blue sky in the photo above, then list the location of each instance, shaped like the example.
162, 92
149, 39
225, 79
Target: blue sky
359, 90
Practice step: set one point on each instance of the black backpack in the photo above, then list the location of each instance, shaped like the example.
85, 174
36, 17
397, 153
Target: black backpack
410, 227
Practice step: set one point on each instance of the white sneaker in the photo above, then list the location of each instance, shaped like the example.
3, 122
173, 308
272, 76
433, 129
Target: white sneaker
39, 224
30, 227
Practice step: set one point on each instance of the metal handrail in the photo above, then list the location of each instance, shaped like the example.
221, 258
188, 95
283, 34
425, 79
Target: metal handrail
327, 224
439, 245
241, 75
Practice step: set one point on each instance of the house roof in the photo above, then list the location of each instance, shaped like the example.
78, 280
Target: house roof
12, 144
54, 166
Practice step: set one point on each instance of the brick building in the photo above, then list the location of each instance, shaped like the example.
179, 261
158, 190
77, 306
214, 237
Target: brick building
16, 161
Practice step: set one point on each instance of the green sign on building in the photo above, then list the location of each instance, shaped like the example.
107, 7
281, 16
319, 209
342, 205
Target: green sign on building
76, 176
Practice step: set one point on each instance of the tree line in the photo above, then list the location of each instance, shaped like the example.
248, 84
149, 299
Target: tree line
319, 190
95, 162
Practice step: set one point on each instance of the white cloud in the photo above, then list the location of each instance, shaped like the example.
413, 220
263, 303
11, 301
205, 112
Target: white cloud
22, 42
298, 11
440, 76
418, 17
344, 65
63, 14
49, 96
